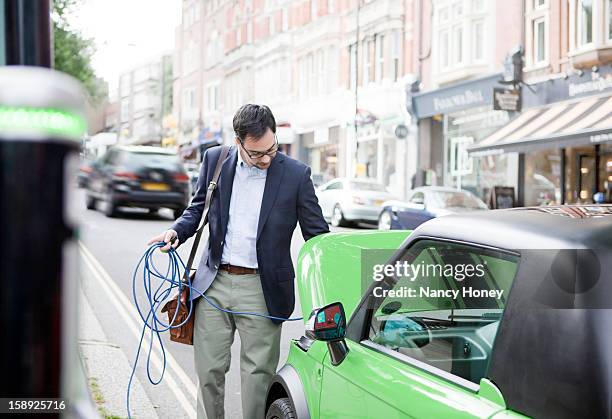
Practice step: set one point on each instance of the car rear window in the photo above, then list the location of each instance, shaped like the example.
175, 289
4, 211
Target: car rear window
366, 186
166, 161
456, 200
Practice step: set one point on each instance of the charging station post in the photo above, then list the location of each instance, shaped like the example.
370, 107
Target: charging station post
41, 125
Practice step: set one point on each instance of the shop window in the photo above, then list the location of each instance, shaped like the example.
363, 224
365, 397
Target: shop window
605, 173
543, 177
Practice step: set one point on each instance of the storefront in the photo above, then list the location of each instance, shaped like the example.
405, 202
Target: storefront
563, 140
452, 119
319, 149
377, 149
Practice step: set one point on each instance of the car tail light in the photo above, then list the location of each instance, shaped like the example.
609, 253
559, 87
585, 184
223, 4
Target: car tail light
125, 175
359, 200
181, 177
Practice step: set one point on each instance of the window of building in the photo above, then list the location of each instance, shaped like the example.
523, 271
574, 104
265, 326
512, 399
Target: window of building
478, 40
539, 41
249, 32
212, 98
444, 50
285, 19
457, 45
584, 22
369, 60
444, 325
459, 28
272, 25
324, 72
331, 6
537, 18
609, 17
477, 5
353, 66
125, 110
380, 57
396, 54
313, 9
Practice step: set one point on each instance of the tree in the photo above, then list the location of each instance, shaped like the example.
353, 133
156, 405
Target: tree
73, 52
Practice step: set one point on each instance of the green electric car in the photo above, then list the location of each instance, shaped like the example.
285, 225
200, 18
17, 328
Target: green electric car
501, 314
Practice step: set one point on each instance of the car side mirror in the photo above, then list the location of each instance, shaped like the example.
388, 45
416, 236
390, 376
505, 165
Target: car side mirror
328, 324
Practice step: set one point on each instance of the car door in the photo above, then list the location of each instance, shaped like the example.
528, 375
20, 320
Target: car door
406, 358
328, 197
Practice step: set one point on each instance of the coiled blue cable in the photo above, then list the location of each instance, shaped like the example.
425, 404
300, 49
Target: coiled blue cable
156, 300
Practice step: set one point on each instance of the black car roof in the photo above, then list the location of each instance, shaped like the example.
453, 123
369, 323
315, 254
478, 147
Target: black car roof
551, 227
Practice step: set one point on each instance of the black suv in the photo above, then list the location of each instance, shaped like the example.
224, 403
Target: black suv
138, 176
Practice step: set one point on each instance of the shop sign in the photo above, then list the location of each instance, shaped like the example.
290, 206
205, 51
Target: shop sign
506, 99
457, 97
462, 100
596, 85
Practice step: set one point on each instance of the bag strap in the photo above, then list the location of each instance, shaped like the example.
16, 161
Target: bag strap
211, 187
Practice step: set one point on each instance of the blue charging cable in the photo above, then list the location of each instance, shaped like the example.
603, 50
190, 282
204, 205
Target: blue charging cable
156, 299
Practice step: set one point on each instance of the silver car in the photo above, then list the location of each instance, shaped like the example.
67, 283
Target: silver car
347, 201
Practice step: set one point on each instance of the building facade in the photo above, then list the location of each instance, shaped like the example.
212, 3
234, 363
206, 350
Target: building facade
332, 71
562, 136
460, 58
144, 98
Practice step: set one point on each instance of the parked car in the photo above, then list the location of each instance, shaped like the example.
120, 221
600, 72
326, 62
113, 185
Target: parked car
425, 203
346, 201
85, 170
368, 352
138, 176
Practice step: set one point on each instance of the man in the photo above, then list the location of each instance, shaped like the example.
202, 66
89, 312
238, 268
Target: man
246, 265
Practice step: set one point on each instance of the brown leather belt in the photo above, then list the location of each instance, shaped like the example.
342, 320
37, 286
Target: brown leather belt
238, 270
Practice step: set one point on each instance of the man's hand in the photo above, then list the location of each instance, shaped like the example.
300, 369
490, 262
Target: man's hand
170, 237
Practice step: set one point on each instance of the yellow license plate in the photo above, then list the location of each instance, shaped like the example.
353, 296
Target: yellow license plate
155, 186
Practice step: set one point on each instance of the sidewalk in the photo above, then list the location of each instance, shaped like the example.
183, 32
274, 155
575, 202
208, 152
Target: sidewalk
108, 370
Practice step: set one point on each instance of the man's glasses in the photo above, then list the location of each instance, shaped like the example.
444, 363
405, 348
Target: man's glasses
255, 155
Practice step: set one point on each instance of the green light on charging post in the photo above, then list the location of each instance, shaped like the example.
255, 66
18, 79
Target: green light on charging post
47, 121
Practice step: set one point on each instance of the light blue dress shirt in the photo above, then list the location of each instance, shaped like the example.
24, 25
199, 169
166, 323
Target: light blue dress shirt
245, 205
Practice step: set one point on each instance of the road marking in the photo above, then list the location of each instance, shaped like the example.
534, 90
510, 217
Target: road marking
132, 319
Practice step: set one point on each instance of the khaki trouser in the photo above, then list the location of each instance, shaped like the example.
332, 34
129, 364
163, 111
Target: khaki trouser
213, 337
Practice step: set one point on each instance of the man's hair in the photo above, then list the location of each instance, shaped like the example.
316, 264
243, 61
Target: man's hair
253, 120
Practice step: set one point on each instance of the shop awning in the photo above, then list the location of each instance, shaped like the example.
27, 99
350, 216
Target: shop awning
565, 124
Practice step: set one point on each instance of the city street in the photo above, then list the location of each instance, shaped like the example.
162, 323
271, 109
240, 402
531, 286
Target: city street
110, 249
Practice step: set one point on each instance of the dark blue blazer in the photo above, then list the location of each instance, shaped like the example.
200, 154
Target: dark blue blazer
288, 198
